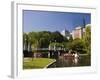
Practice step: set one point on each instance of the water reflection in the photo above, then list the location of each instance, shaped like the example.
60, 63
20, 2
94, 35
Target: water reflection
75, 61
72, 61
69, 60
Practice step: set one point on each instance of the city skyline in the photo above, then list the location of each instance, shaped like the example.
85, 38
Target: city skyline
53, 21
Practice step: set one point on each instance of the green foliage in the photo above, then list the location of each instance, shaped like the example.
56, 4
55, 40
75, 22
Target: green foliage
43, 42
70, 39
58, 37
45, 39
57, 45
87, 39
68, 45
33, 38
76, 45
42, 39
25, 37
81, 45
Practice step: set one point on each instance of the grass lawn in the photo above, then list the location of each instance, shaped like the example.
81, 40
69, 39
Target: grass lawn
36, 63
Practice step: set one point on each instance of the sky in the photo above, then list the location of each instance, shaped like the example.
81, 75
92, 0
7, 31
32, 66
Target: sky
53, 21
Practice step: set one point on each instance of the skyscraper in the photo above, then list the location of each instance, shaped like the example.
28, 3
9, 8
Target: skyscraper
78, 32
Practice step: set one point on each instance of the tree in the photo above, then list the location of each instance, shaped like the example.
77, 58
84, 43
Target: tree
33, 38
25, 40
87, 39
76, 45
56, 44
43, 42
71, 39
58, 37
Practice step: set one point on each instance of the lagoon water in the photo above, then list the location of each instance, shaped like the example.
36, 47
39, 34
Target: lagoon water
71, 62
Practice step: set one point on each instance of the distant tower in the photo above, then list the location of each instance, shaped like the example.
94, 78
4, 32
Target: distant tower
65, 33
79, 31
84, 26
84, 23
